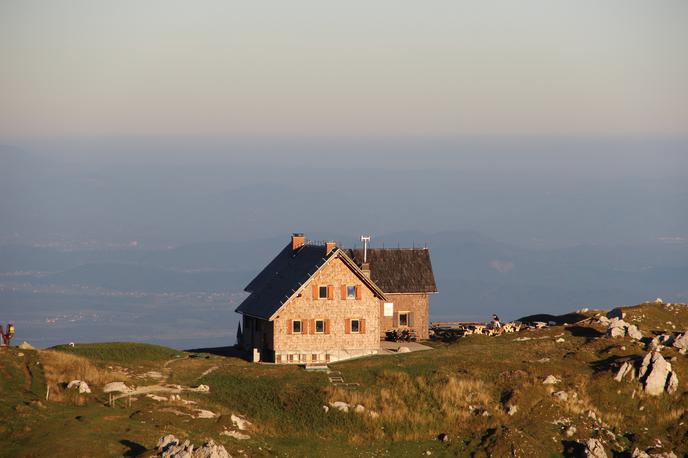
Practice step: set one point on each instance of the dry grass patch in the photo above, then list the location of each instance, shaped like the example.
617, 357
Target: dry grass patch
60, 368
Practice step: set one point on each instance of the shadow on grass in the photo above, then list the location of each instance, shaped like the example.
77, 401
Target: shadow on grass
583, 331
232, 352
135, 449
612, 363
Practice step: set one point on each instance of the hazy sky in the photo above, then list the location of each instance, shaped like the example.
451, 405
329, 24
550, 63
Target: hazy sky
343, 68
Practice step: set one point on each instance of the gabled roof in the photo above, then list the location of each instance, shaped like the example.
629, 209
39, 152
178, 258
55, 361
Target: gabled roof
399, 270
285, 275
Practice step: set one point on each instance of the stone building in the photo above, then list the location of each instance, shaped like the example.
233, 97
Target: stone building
314, 304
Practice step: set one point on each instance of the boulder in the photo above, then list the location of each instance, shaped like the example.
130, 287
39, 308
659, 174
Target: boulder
403, 350
116, 387
656, 374
80, 385
603, 320
202, 413
681, 342
561, 395
359, 408
242, 423
625, 369
202, 388
165, 442
594, 449
551, 380
512, 410
633, 332
169, 447
340, 405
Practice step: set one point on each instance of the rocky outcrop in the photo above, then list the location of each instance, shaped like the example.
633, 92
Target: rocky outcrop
656, 374
550, 380
170, 447
681, 342
594, 449
619, 328
637, 453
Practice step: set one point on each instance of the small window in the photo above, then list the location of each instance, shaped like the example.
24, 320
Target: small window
351, 292
290, 358
355, 325
314, 357
296, 326
322, 292
319, 326
403, 319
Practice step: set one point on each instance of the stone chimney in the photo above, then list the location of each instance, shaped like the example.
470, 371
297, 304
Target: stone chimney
365, 267
297, 241
329, 246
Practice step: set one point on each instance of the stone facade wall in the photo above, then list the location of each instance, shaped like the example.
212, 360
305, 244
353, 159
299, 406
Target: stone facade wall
416, 304
337, 345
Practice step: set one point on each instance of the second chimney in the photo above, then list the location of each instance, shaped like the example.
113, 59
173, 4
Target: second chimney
329, 246
297, 241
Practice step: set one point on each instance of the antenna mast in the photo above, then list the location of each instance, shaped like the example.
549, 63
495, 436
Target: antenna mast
365, 239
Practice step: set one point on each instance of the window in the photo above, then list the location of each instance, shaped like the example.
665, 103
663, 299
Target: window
290, 358
322, 292
355, 325
314, 357
296, 326
319, 326
403, 319
351, 292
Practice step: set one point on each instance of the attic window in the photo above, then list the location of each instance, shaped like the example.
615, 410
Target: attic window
322, 292
351, 292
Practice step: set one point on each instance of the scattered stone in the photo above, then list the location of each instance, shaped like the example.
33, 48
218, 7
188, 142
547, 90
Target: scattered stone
512, 410
203, 388
633, 332
542, 360
359, 408
236, 435
659, 301
326, 409
80, 385
603, 320
570, 431
539, 324
202, 413
626, 368
594, 449
560, 340
340, 405
551, 380
561, 395
155, 397
116, 387
522, 339
443, 437
241, 423
403, 350
373, 414
26, 346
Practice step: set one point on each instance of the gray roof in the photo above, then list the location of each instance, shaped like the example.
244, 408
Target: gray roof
399, 270
285, 274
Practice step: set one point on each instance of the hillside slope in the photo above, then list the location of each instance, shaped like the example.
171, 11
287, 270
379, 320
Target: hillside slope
485, 395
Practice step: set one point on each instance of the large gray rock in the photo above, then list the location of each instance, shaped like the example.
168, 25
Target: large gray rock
619, 328
681, 342
633, 332
80, 385
594, 449
656, 374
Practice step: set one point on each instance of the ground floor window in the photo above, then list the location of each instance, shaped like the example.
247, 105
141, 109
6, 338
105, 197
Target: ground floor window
403, 319
314, 357
319, 326
290, 358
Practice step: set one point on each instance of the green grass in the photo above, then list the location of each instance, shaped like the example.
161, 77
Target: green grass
120, 351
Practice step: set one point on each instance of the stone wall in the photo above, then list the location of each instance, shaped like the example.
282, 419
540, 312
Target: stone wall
416, 304
337, 344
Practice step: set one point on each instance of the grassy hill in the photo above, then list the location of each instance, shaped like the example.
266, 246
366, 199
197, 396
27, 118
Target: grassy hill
485, 393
